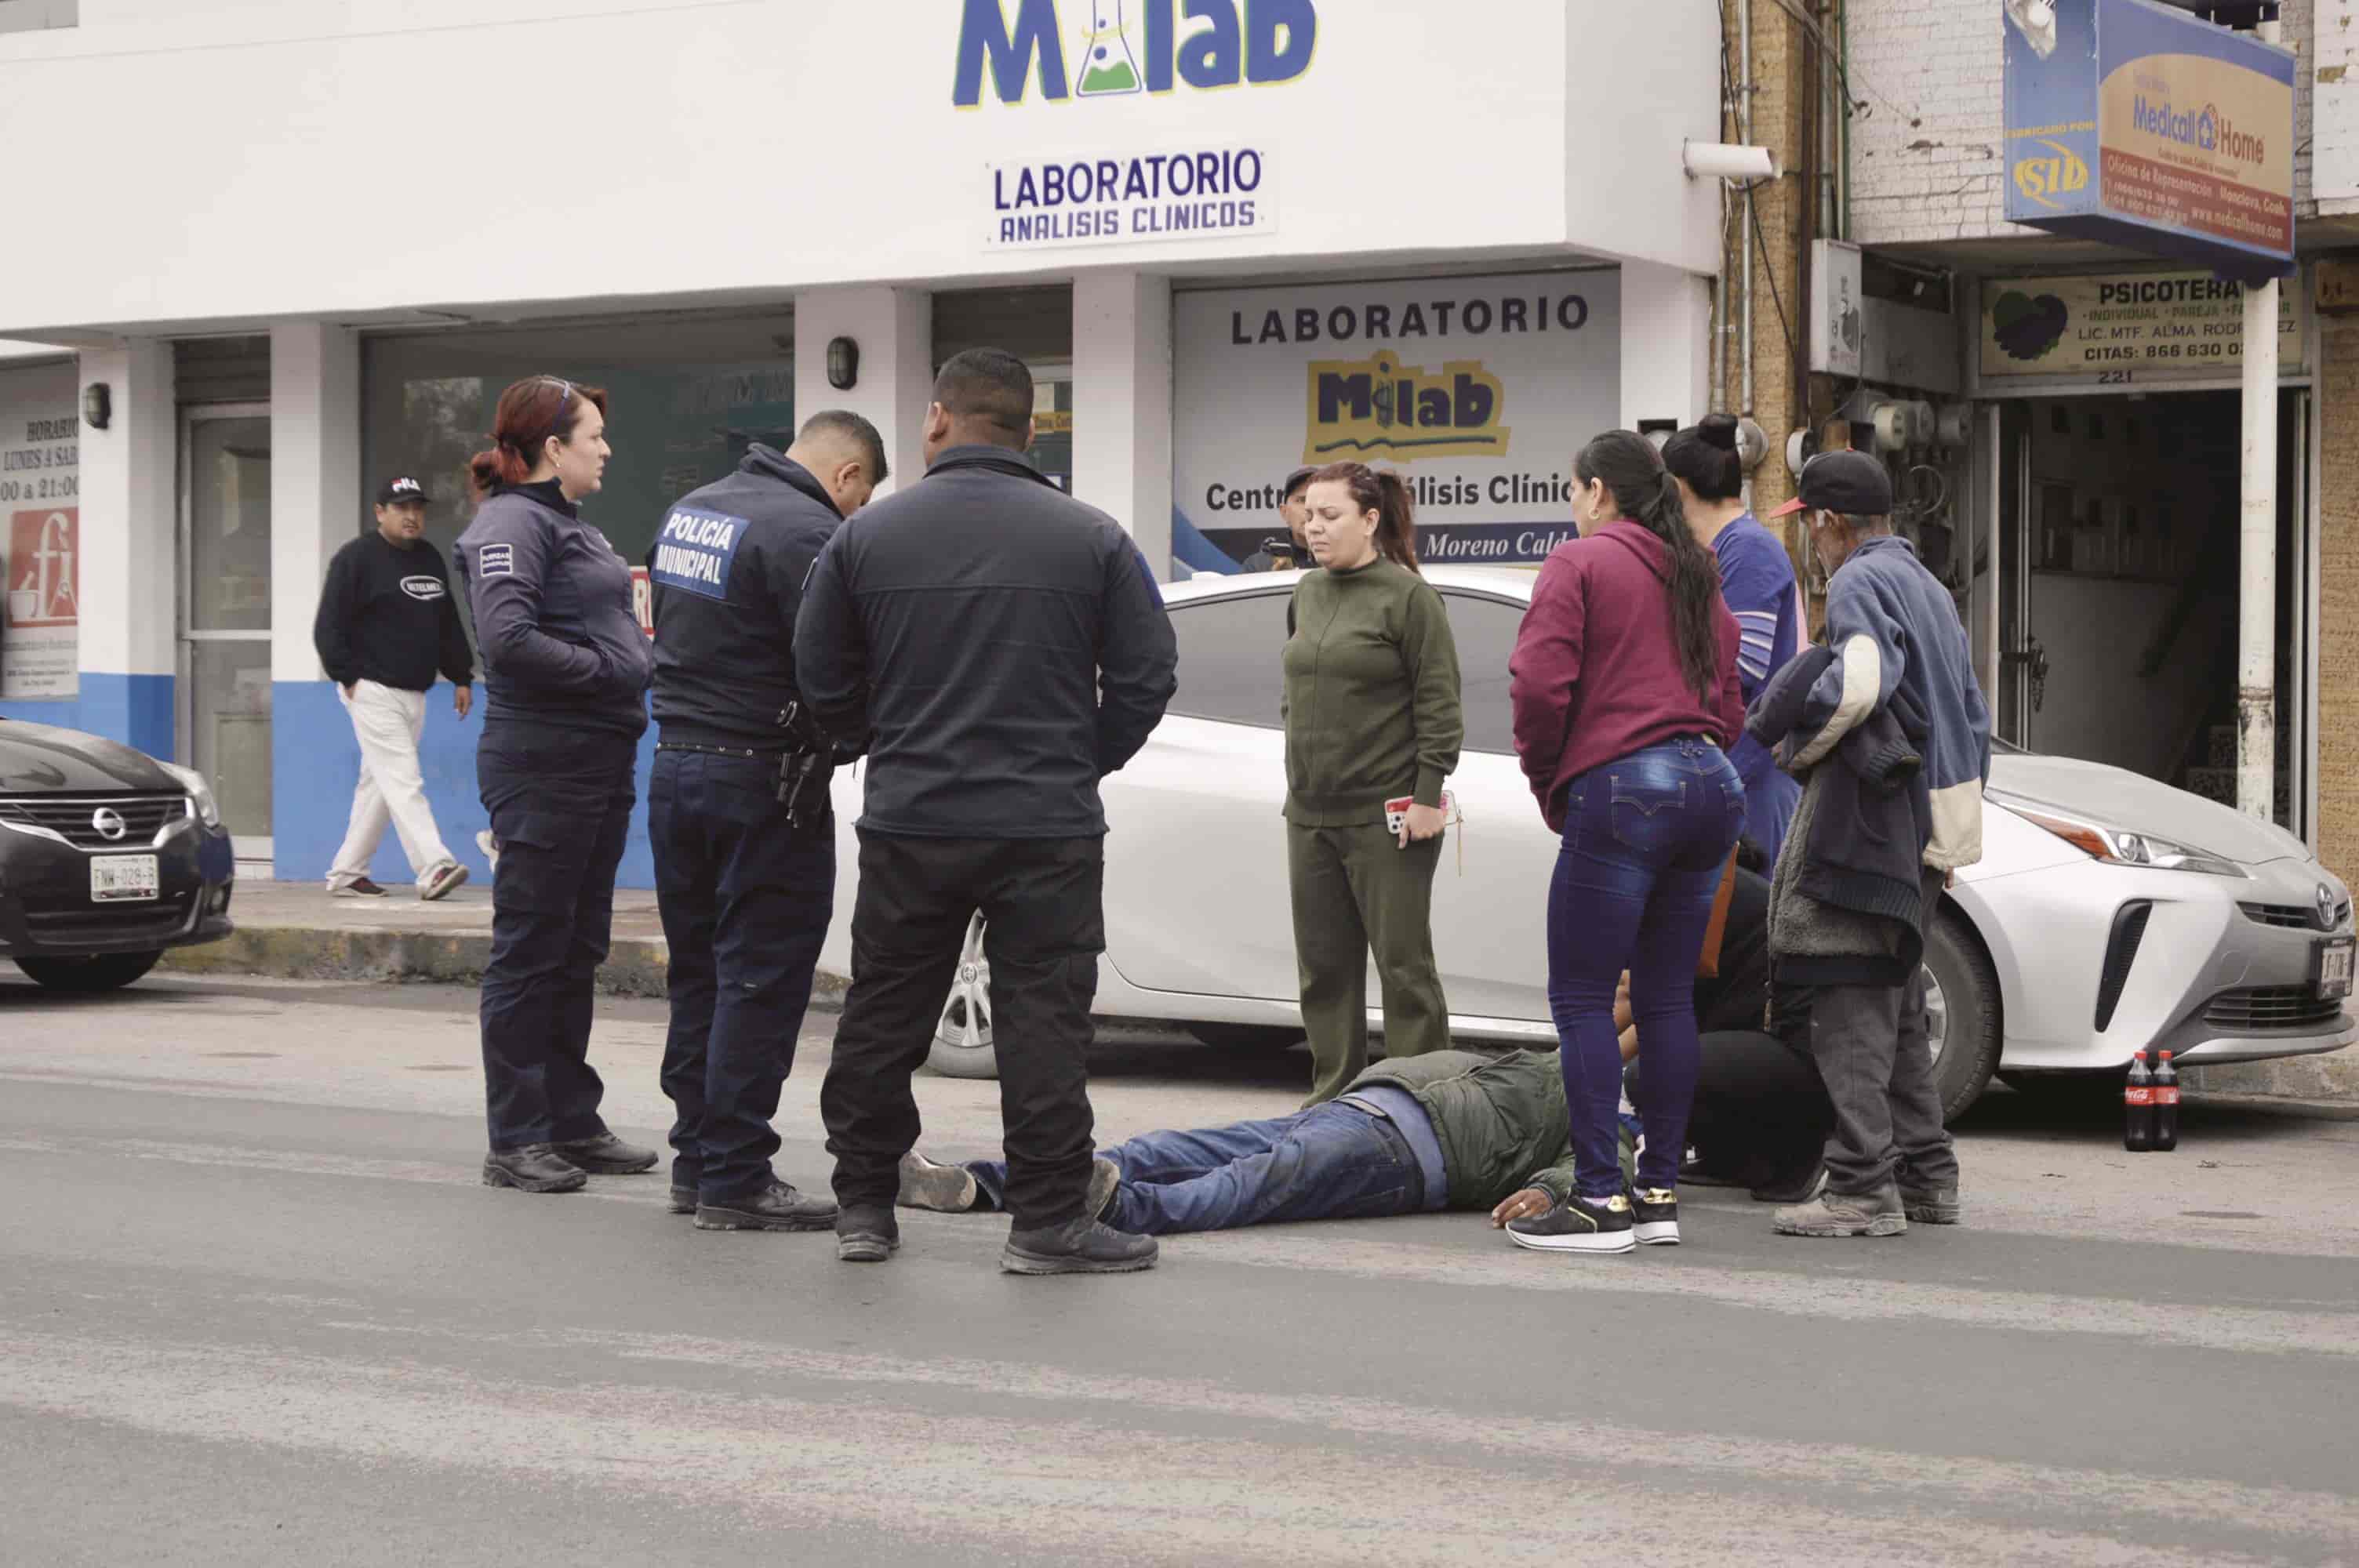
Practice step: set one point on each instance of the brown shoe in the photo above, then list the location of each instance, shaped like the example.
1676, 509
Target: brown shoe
359, 887
446, 879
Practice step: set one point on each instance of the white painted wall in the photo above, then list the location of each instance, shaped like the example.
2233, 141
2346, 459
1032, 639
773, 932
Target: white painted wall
1122, 379
316, 493
294, 157
129, 537
2334, 150
895, 330
1666, 346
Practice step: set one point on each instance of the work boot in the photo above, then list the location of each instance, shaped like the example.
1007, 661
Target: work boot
1577, 1225
1080, 1246
776, 1207
535, 1168
607, 1155
866, 1233
1845, 1213
445, 880
1931, 1205
1105, 1180
945, 1189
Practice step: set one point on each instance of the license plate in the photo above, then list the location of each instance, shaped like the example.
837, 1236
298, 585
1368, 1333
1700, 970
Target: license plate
2334, 966
117, 879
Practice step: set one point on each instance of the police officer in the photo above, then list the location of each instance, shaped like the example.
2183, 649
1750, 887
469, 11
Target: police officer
566, 671
1002, 647
1284, 555
745, 845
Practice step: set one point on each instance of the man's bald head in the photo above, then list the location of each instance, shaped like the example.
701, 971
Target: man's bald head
844, 453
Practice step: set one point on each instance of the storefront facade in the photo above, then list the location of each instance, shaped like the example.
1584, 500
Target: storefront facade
1230, 238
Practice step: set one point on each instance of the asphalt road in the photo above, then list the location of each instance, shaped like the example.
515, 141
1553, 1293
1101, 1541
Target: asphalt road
254, 1308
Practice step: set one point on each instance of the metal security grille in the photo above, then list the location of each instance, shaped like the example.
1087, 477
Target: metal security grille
71, 816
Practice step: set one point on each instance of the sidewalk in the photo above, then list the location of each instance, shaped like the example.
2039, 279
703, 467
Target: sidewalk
294, 931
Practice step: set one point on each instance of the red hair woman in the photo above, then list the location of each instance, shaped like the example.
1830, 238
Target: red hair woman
566, 672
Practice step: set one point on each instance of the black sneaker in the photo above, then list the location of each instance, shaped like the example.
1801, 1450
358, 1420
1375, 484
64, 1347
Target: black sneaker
866, 1233
607, 1155
1577, 1225
1080, 1246
1655, 1217
774, 1207
535, 1168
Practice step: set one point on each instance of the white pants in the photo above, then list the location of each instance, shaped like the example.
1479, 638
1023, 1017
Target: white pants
389, 722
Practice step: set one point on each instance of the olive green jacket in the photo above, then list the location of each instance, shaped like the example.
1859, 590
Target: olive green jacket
1501, 1119
1371, 696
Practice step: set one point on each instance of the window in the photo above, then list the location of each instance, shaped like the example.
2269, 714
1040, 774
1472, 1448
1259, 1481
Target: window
1228, 651
1484, 630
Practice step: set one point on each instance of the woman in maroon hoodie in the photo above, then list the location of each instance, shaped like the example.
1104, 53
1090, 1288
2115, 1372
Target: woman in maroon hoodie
1625, 699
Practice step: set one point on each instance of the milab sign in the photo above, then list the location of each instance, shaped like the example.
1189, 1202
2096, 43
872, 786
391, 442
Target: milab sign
1130, 47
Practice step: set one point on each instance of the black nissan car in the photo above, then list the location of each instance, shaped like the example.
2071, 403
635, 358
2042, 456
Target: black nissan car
107, 857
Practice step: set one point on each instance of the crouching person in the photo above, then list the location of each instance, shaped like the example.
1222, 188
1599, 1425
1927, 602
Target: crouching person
1889, 730
1446, 1129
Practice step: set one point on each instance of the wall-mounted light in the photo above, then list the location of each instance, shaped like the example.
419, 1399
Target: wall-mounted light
1723, 160
97, 405
843, 364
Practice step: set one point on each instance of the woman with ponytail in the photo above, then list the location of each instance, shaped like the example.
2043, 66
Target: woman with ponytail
566, 672
1756, 579
1625, 687
1371, 707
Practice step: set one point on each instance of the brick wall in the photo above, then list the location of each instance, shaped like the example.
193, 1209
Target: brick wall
2330, 107
1925, 162
2338, 595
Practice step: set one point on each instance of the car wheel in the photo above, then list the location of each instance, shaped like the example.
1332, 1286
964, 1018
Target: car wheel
1244, 1036
1962, 1013
87, 976
962, 1047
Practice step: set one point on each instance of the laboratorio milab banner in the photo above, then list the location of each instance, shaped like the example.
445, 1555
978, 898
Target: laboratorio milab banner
1476, 389
40, 545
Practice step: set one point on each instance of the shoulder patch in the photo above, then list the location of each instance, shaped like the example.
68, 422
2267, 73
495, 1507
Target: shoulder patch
695, 550
495, 560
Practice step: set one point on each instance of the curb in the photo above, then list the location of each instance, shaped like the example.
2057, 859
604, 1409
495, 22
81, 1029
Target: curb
635, 966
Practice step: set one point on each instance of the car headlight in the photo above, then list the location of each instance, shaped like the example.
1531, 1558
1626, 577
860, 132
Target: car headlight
200, 792
2120, 846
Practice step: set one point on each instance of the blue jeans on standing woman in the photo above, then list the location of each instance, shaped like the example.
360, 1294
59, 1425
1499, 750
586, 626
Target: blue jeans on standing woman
1644, 838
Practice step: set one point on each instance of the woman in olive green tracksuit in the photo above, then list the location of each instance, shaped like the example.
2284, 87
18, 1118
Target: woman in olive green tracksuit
1372, 714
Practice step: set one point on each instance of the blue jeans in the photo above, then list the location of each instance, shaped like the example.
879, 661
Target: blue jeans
1645, 839
1331, 1161
745, 900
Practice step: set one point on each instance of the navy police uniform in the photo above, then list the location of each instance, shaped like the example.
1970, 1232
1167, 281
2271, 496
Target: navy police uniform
1002, 647
565, 677
745, 881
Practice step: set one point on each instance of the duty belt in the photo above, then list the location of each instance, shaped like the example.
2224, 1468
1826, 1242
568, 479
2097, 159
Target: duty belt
771, 754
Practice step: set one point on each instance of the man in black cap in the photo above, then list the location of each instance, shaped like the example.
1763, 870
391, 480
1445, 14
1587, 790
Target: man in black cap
1294, 509
387, 624
1887, 728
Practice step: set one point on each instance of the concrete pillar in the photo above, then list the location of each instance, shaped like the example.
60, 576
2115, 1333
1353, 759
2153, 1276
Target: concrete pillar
895, 330
1122, 389
130, 550
316, 500
1665, 344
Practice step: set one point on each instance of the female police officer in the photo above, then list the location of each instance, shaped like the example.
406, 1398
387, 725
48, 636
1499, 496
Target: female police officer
566, 672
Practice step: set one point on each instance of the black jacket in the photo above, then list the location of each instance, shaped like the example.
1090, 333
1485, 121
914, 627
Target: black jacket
726, 571
552, 602
1001, 645
1863, 849
386, 615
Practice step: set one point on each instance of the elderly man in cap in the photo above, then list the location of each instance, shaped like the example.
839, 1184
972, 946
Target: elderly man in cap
1277, 554
387, 625
1888, 729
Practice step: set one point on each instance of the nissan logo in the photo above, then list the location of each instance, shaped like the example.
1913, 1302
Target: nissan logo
109, 824
2329, 904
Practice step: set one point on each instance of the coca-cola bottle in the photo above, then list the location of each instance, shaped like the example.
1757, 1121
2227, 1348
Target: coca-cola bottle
2137, 1107
2166, 1104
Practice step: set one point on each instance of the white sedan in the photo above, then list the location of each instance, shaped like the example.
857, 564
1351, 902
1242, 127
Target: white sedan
2109, 911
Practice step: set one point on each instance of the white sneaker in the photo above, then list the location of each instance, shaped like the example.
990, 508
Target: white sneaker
490, 847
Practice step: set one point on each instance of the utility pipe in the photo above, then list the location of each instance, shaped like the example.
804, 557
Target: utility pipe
1744, 134
2256, 614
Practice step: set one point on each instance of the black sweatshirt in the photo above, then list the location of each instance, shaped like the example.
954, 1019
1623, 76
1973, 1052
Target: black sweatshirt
1003, 645
386, 615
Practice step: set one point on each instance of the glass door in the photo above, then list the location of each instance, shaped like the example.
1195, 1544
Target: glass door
224, 663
